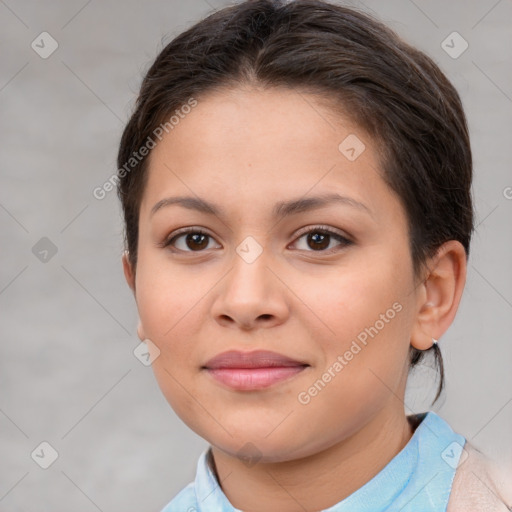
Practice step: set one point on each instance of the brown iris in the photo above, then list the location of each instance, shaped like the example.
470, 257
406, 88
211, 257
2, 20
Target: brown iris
320, 240
199, 239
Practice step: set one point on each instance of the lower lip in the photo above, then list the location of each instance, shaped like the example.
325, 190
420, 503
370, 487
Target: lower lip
247, 379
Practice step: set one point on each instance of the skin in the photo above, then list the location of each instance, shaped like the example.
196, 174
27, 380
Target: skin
244, 150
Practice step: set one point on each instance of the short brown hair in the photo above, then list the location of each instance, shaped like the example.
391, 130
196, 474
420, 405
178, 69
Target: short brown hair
396, 93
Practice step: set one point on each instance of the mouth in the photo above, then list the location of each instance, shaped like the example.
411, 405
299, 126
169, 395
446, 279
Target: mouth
249, 371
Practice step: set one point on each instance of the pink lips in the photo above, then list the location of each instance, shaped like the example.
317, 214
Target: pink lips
252, 370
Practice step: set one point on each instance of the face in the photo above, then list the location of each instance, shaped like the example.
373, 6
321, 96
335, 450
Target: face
327, 283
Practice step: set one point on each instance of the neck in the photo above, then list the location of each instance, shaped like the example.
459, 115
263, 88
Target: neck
321, 480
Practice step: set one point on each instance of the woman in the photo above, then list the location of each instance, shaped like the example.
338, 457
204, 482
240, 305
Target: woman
298, 220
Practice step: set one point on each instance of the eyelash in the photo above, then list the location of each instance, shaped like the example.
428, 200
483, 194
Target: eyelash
324, 230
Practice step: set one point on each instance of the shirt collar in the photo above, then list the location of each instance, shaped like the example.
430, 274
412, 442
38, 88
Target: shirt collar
420, 475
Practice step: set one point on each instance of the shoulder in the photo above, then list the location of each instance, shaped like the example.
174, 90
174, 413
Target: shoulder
184, 501
480, 484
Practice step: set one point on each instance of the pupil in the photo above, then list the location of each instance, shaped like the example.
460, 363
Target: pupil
319, 237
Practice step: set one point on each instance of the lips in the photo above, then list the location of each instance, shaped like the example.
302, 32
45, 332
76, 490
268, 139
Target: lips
255, 359
245, 371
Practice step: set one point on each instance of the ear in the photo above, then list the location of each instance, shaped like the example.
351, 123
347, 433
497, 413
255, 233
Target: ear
129, 273
140, 332
439, 294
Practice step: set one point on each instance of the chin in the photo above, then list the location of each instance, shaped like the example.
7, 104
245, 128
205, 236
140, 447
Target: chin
256, 446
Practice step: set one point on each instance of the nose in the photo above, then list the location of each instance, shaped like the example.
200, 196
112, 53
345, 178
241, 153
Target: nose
252, 295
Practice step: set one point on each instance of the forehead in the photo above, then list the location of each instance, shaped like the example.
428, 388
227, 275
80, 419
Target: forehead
246, 146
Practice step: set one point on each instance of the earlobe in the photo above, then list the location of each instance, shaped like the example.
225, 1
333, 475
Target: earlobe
128, 271
140, 332
440, 294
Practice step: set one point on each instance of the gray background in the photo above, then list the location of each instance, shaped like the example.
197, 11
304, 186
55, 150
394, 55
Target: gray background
68, 374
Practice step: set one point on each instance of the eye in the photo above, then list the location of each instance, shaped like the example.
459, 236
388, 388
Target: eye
319, 239
194, 240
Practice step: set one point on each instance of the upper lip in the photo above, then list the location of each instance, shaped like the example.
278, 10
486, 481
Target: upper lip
254, 359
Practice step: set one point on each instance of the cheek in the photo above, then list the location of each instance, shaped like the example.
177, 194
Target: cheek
163, 297
368, 312
355, 300
170, 303
169, 312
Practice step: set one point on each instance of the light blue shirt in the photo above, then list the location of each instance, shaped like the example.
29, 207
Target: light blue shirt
418, 479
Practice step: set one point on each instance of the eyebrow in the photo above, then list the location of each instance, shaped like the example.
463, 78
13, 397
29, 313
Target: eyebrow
280, 210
